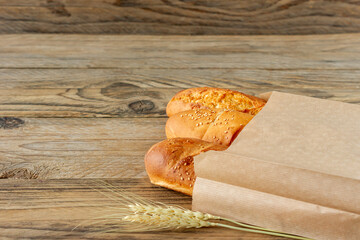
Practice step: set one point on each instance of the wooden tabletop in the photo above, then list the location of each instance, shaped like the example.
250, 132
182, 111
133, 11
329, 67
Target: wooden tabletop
79, 109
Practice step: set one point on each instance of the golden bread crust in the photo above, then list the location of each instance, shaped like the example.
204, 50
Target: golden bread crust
212, 98
170, 163
217, 126
201, 119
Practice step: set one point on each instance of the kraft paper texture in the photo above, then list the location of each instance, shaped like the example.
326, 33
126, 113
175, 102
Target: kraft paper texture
294, 168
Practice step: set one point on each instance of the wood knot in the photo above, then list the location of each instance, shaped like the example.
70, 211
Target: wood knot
125, 3
19, 173
57, 8
10, 122
142, 106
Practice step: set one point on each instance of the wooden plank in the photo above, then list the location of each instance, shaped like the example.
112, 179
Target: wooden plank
76, 147
338, 52
50, 209
118, 101
120, 92
180, 17
89, 102
247, 79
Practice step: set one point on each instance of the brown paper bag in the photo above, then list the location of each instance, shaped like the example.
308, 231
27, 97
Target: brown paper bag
294, 168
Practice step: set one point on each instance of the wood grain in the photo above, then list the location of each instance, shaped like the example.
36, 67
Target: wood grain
33, 209
89, 106
92, 102
128, 76
149, 79
198, 17
332, 52
77, 147
118, 102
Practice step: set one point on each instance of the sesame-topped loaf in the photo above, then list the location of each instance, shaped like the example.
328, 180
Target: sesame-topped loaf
200, 119
170, 163
217, 126
213, 98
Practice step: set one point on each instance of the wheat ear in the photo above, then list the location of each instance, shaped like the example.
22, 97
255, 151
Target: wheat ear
136, 214
176, 218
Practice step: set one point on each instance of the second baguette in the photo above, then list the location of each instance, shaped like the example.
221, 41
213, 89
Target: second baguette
217, 126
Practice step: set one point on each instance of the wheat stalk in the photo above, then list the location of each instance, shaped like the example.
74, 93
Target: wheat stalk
135, 214
171, 217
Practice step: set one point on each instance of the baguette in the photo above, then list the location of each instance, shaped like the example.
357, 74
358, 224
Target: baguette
217, 126
170, 163
213, 98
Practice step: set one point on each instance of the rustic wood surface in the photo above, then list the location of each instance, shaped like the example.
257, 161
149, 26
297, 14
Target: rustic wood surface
128, 76
75, 107
330, 52
50, 209
77, 147
180, 17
